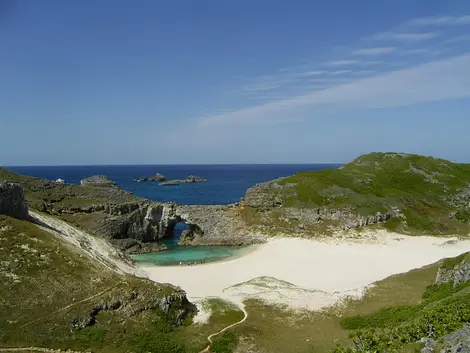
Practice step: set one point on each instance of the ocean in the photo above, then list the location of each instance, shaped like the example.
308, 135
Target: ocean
225, 184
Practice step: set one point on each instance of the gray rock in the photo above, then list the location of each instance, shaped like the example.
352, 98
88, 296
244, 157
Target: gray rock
98, 180
458, 341
429, 345
457, 275
12, 202
189, 179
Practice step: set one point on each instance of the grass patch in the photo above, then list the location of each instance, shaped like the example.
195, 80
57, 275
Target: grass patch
224, 343
194, 336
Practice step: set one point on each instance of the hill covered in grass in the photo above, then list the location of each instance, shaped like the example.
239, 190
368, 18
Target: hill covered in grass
403, 192
54, 295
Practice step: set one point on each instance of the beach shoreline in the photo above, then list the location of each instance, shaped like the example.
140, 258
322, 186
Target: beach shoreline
309, 274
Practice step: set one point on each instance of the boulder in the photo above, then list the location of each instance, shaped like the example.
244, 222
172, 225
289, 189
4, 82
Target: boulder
12, 202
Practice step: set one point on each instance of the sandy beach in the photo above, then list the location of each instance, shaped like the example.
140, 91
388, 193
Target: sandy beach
309, 274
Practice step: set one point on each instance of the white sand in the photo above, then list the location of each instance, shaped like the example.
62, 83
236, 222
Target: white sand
319, 273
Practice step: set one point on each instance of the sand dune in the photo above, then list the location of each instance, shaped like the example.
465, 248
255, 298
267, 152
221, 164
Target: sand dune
310, 274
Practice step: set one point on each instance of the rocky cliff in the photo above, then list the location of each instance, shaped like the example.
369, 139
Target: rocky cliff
404, 193
455, 271
12, 202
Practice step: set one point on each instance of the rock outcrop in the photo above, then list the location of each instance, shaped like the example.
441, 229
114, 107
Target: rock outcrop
175, 306
455, 342
456, 275
268, 201
98, 180
12, 202
156, 177
189, 179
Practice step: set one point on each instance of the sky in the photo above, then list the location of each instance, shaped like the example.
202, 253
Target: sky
211, 81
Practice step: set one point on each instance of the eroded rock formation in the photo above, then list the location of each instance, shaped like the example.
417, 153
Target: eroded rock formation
12, 202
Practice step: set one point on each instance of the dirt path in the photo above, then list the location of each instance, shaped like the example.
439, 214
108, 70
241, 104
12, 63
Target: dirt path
209, 338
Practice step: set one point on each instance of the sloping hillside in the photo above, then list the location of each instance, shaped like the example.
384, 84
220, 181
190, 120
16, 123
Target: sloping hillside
53, 294
405, 193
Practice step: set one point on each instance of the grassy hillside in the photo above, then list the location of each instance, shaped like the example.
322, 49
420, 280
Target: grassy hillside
422, 194
46, 286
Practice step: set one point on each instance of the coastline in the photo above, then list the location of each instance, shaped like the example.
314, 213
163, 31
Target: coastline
309, 274
247, 250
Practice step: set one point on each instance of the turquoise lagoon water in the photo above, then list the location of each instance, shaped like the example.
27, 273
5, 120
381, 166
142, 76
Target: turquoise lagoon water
189, 254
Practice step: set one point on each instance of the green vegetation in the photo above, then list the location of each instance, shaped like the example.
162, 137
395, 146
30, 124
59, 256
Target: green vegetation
225, 343
223, 314
424, 194
442, 310
45, 285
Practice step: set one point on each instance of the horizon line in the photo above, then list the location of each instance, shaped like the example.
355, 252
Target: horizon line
166, 164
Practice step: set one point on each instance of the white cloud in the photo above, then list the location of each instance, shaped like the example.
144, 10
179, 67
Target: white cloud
340, 72
340, 62
374, 51
404, 36
457, 39
262, 86
420, 51
312, 73
443, 20
433, 81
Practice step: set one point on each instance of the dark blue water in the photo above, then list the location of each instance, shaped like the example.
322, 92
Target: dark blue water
226, 183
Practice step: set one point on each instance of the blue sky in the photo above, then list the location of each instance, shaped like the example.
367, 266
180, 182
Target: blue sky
156, 82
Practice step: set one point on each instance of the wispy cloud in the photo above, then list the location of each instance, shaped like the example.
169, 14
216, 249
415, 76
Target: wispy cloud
374, 51
420, 51
340, 62
340, 72
403, 36
312, 73
442, 20
397, 88
262, 86
458, 39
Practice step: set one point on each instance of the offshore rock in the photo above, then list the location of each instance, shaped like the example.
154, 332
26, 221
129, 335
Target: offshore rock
12, 202
98, 180
156, 177
189, 179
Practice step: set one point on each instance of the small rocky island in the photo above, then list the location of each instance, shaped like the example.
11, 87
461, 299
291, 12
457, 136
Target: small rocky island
98, 180
156, 177
189, 179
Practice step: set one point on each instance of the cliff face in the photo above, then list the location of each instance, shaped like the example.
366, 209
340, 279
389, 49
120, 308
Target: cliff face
12, 202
